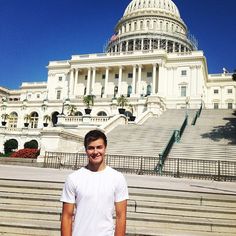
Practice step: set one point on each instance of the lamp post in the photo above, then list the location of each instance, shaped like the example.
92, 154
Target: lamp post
64, 104
187, 103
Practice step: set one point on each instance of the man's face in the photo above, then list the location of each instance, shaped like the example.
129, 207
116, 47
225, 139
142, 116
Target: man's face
96, 152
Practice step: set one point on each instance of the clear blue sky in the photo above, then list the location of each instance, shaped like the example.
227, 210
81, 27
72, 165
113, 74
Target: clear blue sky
34, 32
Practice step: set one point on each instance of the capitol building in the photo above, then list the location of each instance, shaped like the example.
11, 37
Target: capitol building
151, 59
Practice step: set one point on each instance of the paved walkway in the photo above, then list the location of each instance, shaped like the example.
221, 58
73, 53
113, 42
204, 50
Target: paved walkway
43, 174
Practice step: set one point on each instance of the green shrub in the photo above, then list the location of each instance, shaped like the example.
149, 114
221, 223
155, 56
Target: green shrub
10, 145
31, 144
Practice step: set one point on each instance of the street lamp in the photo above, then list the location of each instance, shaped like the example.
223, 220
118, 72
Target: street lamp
187, 103
64, 104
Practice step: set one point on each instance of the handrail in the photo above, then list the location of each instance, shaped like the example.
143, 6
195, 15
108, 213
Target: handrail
175, 137
198, 113
183, 126
165, 152
219, 170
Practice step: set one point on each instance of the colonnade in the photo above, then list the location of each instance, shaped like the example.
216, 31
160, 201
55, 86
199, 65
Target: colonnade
147, 44
109, 71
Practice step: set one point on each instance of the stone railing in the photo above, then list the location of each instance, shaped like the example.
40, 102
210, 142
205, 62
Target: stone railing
78, 120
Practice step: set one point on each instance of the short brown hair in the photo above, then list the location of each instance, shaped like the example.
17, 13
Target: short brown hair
94, 135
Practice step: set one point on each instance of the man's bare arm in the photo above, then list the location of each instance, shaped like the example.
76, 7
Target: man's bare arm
121, 208
67, 219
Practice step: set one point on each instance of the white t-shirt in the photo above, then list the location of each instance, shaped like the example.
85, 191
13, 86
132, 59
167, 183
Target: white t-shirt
94, 194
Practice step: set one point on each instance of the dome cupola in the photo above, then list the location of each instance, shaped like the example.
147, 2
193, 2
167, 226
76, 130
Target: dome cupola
151, 25
164, 6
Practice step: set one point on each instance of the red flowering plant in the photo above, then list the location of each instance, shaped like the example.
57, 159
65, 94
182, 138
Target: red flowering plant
26, 153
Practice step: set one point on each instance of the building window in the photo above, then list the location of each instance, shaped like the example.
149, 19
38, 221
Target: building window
183, 91
86, 77
102, 113
183, 72
116, 76
103, 76
230, 105
58, 94
60, 78
216, 105
149, 74
129, 91
34, 120
149, 90
216, 91
130, 75
230, 90
13, 120
38, 95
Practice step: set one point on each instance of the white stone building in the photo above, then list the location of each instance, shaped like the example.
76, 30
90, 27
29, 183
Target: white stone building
151, 59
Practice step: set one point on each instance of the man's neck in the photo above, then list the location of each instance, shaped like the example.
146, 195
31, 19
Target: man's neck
96, 168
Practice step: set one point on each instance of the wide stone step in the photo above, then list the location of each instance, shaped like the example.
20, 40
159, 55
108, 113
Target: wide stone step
182, 222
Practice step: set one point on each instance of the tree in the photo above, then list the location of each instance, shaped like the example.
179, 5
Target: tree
5, 116
71, 110
27, 118
122, 101
234, 75
47, 118
88, 101
33, 144
10, 145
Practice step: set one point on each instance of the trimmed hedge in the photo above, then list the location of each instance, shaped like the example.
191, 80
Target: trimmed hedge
10, 145
26, 153
31, 144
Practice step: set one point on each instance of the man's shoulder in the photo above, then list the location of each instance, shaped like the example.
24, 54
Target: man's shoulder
114, 172
76, 173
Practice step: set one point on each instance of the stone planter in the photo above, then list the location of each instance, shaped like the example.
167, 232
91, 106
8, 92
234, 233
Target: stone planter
4, 123
87, 111
121, 111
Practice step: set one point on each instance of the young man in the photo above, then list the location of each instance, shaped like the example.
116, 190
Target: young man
94, 191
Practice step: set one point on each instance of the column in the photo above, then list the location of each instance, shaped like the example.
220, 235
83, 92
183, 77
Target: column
120, 80
141, 44
154, 70
134, 81
71, 84
161, 80
150, 45
88, 82
93, 80
127, 46
139, 87
75, 80
106, 83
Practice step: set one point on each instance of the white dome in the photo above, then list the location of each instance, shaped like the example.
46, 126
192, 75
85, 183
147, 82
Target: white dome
166, 6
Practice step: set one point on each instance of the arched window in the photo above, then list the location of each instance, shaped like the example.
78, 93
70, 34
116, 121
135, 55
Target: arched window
13, 120
102, 113
129, 91
34, 120
55, 118
141, 25
149, 90
78, 113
